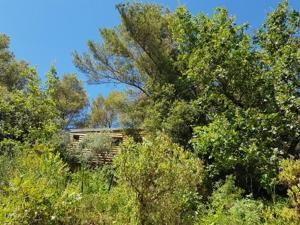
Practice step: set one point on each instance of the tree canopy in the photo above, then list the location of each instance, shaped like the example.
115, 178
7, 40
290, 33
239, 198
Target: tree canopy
207, 77
11, 71
105, 112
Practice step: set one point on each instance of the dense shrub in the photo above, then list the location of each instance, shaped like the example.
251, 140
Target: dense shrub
161, 179
37, 192
41, 190
227, 206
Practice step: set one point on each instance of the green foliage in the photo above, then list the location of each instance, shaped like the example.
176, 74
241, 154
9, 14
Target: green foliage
228, 207
11, 71
35, 193
229, 98
69, 96
27, 116
280, 213
105, 111
148, 171
250, 94
141, 53
132, 112
90, 150
6, 163
41, 190
132, 52
289, 175
247, 144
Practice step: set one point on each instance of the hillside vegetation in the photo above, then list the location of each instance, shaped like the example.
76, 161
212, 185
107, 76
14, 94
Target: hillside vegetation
219, 106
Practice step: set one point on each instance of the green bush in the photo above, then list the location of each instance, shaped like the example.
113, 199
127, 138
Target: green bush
37, 192
228, 207
161, 179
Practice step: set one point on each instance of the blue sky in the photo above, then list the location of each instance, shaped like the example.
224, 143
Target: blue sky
45, 32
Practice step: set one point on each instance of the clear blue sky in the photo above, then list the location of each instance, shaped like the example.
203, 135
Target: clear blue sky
45, 32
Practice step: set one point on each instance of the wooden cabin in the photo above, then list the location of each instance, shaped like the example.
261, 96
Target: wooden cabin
118, 136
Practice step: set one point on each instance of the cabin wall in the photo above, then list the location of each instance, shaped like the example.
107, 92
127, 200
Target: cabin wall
101, 158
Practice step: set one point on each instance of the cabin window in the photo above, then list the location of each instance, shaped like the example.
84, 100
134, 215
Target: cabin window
117, 141
76, 137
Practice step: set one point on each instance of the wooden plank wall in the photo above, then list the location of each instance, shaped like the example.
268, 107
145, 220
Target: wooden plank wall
100, 158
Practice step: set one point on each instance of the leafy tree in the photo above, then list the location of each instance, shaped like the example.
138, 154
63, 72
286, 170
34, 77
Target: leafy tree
98, 115
27, 116
207, 72
248, 90
141, 53
133, 52
105, 111
132, 111
97, 142
71, 97
11, 71
69, 94
209, 75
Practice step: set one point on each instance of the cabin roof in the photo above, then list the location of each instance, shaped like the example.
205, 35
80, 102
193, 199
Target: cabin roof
90, 130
